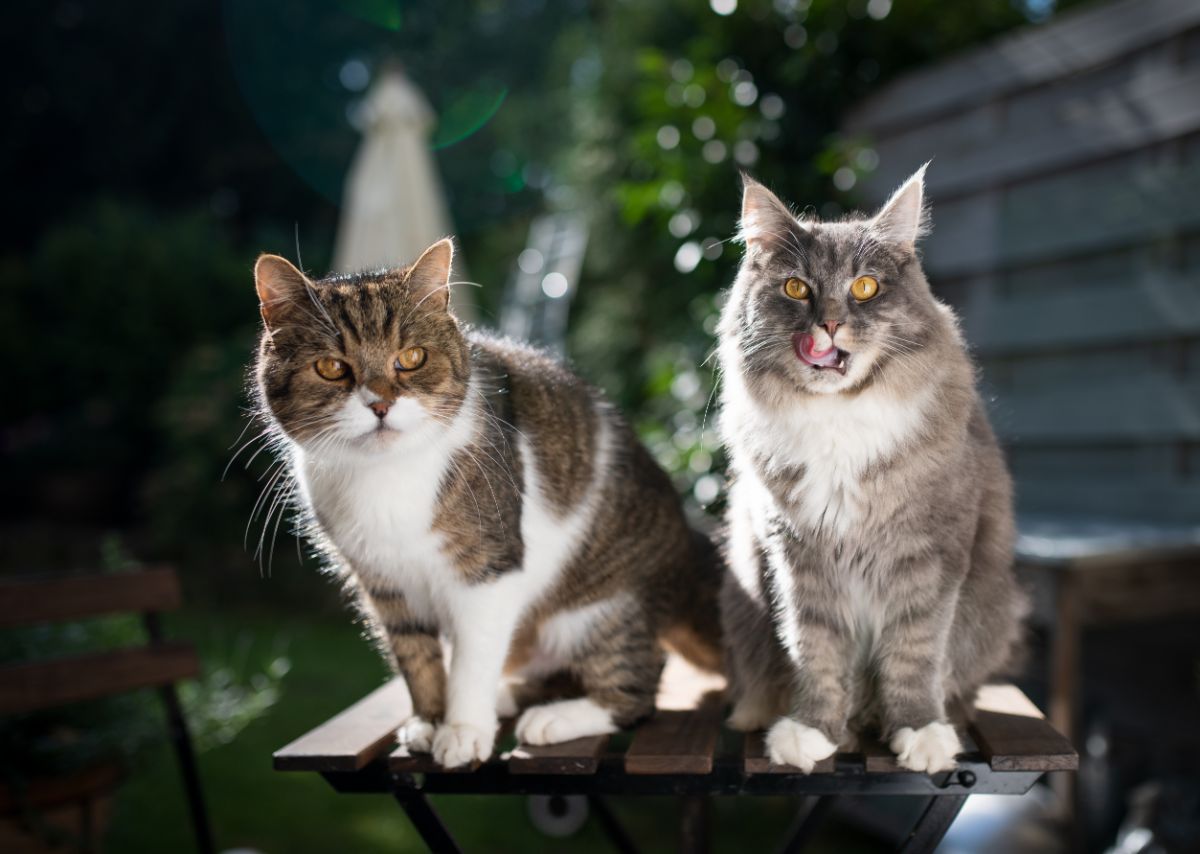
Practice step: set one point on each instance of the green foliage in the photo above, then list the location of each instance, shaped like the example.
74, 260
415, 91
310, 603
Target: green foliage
669, 102
108, 307
233, 692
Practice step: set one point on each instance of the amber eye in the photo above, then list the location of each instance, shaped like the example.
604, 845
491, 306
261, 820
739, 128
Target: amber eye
796, 288
864, 288
331, 369
410, 359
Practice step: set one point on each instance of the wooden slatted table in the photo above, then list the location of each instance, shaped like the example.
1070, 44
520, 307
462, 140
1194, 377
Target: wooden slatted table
683, 750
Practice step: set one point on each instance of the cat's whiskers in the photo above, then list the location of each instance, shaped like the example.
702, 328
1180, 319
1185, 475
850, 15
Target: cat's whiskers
275, 440
312, 295
491, 413
283, 503
269, 494
487, 481
456, 467
718, 375
497, 460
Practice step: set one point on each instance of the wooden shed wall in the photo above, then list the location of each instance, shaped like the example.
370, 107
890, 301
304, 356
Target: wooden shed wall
1065, 189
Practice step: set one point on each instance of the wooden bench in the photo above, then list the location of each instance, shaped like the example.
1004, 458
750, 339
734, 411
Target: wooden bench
683, 750
31, 686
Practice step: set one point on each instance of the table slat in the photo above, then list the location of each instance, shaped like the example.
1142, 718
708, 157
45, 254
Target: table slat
755, 760
352, 738
677, 741
1013, 735
877, 756
580, 756
400, 761
1020, 743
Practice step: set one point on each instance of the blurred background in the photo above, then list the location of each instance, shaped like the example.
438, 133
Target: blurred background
585, 154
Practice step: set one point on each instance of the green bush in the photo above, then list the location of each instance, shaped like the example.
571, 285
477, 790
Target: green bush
96, 322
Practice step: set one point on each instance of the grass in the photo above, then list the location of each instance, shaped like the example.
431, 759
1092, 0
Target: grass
252, 806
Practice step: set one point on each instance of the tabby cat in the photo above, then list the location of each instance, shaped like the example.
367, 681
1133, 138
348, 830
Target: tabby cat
870, 514
475, 493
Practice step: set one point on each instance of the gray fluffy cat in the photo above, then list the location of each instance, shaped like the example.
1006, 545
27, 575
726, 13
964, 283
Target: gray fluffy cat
870, 516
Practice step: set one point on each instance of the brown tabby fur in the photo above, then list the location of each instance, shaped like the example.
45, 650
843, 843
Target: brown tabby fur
636, 542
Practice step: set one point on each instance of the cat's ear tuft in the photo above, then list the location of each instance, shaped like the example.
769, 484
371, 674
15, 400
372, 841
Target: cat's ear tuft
765, 219
904, 219
280, 285
428, 279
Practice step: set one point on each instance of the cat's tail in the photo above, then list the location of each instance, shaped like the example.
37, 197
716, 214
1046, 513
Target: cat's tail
693, 629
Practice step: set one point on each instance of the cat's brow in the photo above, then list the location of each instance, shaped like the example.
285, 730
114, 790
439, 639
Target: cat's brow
350, 328
389, 318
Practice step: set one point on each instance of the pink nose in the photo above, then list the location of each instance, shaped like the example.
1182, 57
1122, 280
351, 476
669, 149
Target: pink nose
380, 408
832, 326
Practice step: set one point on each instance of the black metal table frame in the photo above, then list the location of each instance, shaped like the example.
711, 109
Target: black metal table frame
947, 792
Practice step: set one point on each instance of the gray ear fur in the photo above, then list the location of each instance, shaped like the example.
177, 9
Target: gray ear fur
904, 219
765, 219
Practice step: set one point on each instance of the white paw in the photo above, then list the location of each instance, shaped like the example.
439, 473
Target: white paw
506, 703
749, 715
416, 734
931, 748
462, 744
563, 721
790, 742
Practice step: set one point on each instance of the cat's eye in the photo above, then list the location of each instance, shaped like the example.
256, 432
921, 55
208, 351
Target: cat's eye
864, 288
410, 359
331, 369
796, 288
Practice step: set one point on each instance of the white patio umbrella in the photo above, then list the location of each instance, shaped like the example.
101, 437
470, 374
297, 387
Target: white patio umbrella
393, 207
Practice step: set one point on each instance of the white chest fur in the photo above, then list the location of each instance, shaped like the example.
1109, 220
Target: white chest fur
379, 513
835, 438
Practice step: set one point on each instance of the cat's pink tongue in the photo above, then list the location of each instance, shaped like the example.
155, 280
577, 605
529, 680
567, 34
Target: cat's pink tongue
804, 345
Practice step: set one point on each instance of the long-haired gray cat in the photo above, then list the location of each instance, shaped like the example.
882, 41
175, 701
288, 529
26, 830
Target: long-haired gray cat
470, 489
870, 515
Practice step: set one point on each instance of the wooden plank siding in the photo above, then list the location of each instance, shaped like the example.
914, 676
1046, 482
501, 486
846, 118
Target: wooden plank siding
1065, 190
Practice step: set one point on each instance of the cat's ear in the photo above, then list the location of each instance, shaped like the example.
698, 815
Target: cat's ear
904, 219
281, 287
766, 220
428, 279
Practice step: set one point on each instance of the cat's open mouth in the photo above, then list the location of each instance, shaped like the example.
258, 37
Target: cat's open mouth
833, 359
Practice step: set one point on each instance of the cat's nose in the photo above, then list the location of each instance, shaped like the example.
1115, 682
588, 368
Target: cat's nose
380, 407
832, 326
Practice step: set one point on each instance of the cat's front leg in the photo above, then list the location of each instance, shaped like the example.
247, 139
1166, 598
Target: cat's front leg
418, 654
811, 731
482, 625
911, 662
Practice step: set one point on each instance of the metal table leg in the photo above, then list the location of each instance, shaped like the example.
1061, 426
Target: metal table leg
611, 826
933, 824
808, 821
427, 822
693, 825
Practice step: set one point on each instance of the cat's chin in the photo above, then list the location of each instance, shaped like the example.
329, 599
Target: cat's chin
369, 444
380, 439
831, 380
